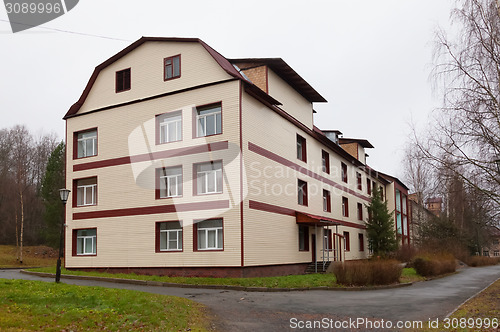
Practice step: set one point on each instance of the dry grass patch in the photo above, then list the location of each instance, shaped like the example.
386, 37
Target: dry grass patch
32, 256
366, 273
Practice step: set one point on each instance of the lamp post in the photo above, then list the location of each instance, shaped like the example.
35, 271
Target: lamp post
64, 193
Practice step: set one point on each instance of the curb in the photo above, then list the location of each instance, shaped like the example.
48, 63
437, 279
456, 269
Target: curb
223, 287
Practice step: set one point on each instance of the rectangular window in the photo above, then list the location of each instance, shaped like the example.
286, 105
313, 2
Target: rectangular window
398, 200
327, 205
325, 161
86, 143
302, 192
123, 80
209, 234
169, 127
301, 148
86, 192
172, 67
328, 239
361, 242
169, 236
399, 222
359, 179
168, 182
84, 242
209, 120
347, 242
496, 253
360, 211
208, 178
343, 172
345, 207
303, 238
369, 186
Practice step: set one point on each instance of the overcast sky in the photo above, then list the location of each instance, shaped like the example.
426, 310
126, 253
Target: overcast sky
370, 59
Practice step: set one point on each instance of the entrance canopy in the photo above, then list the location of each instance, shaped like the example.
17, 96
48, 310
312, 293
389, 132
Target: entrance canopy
312, 220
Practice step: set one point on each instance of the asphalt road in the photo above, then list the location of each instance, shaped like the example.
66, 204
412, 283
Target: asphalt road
281, 311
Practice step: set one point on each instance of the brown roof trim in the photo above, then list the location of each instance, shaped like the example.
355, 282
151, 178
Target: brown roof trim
221, 60
283, 70
393, 179
363, 142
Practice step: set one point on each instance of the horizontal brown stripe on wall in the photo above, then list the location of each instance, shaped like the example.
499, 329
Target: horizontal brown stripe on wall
292, 213
285, 162
184, 207
153, 156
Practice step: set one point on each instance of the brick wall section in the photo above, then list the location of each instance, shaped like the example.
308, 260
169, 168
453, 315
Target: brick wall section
351, 148
210, 272
258, 76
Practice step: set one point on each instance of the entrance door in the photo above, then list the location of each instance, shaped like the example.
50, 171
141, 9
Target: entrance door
313, 247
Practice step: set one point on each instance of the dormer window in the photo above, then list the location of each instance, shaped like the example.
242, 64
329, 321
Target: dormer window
123, 80
172, 67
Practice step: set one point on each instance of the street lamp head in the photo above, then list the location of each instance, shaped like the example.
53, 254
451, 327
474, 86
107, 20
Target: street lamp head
64, 193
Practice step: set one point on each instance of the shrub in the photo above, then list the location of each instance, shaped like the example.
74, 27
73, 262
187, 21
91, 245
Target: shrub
405, 254
434, 264
476, 261
363, 273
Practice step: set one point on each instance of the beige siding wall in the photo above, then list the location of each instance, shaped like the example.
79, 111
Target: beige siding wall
293, 102
272, 238
146, 63
130, 130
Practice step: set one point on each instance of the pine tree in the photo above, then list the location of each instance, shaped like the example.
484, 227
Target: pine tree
380, 226
52, 181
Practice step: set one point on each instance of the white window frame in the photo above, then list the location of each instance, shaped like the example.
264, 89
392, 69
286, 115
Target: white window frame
84, 238
84, 140
213, 112
204, 176
167, 180
206, 231
178, 238
165, 123
86, 187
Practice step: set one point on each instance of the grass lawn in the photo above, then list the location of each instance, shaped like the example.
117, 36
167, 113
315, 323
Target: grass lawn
293, 281
41, 306
410, 275
481, 313
32, 256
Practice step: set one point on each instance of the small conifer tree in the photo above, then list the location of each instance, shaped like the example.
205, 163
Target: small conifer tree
380, 226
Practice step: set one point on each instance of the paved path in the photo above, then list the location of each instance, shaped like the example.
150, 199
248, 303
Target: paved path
273, 311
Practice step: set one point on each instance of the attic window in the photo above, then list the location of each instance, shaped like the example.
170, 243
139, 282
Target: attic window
123, 80
172, 68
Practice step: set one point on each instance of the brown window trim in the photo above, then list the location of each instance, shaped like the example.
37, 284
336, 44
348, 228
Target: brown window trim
325, 156
157, 127
129, 69
195, 113
328, 200
359, 179
306, 238
360, 212
343, 172
347, 241
75, 142
303, 147
195, 236
74, 245
195, 178
368, 186
361, 242
74, 196
164, 67
157, 237
345, 207
157, 182
304, 190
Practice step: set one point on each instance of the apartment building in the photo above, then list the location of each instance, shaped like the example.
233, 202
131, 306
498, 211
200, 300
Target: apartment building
184, 162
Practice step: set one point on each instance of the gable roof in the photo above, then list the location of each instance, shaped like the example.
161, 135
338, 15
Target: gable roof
221, 60
283, 70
